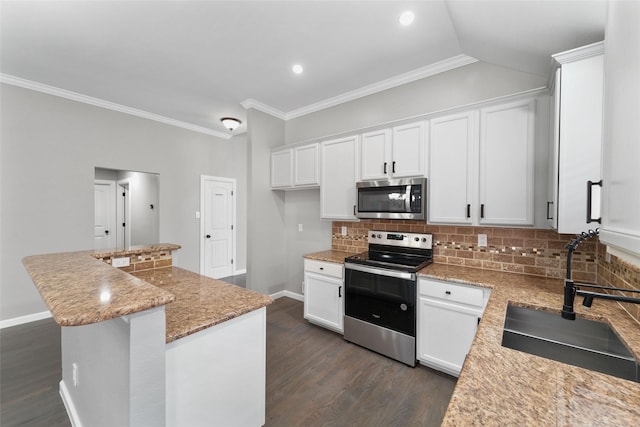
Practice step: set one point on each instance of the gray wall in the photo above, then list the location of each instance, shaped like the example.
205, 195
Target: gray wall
465, 85
49, 149
472, 83
265, 211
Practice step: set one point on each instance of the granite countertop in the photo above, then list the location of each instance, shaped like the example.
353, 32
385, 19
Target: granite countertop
133, 250
200, 302
501, 386
80, 289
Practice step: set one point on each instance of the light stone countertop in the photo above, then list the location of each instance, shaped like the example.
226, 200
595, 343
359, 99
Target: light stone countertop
501, 386
80, 289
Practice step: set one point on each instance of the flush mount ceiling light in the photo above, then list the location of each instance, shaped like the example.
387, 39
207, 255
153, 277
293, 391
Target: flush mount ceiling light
230, 123
406, 18
297, 69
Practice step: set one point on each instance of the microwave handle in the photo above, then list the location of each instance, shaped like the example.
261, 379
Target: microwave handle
407, 199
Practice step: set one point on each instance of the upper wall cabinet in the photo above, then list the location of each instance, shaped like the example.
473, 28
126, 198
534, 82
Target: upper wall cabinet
393, 153
576, 140
481, 166
295, 168
338, 179
453, 145
621, 133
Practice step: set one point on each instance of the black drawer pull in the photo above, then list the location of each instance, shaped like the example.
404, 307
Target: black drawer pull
448, 292
590, 185
339, 291
385, 168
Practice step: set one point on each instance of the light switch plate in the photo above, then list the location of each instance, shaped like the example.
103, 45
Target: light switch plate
344, 230
482, 240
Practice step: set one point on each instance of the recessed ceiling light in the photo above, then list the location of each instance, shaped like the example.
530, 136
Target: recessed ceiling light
406, 18
297, 68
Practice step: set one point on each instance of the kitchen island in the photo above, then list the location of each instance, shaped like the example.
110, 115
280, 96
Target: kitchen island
157, 346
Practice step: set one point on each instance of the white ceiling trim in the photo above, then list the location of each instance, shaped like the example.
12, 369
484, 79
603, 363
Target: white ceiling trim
260, 106
411, 76
74, 96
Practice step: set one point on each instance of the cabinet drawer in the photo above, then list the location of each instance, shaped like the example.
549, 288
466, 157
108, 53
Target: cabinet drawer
449, 292
321, 267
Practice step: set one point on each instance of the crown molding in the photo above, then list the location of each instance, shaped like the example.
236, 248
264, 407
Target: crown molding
75, 96
411, 76
252, 103
579, 53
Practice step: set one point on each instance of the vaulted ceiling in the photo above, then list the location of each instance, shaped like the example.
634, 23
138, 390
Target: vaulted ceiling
193, 62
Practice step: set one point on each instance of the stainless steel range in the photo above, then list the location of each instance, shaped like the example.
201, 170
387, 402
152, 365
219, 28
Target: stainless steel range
380, 293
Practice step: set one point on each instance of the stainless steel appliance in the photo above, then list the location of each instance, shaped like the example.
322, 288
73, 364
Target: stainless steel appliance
380, 293
392, 199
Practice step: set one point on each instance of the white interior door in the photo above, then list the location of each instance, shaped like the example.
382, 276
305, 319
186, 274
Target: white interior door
105, 214
217, 226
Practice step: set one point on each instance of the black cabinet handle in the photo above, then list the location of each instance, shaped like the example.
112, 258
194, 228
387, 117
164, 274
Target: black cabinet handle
393, 167
482, 210
447, 292
321, 268
590, 185
208, 236
339, 291
549, 216
354, 210
468, 211
385, 168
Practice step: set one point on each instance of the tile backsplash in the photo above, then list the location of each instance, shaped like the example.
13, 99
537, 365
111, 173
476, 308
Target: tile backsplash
518, 250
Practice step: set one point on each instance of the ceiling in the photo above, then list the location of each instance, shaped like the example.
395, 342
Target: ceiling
192, 62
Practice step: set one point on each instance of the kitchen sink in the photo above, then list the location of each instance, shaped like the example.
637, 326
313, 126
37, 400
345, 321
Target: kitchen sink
581, 342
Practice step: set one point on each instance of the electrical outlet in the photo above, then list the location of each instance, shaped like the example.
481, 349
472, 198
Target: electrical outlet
344, 230
299, 227
75, 374
482, 240
302, 288
197, 215
120, 262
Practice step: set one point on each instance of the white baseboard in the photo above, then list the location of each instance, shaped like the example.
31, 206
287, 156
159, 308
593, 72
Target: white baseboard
69, 406
288, 294
239, 272
24, 319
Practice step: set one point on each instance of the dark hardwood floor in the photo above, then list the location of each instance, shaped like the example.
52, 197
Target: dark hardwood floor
314, 378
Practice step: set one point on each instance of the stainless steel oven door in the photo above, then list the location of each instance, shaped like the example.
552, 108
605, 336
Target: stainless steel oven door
383, 297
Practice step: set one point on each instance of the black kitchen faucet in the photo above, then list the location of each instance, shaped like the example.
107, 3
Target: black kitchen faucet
571, 289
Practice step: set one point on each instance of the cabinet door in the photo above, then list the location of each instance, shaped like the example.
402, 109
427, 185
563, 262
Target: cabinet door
338, 179
407, 147
452, 166
554, 153
306, 165
282, 168
507, 140
445, 334
580, 142
323, 302
373, 155
621, 143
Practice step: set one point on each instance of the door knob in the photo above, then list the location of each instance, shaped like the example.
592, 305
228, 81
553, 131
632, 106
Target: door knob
208, 236
106, 232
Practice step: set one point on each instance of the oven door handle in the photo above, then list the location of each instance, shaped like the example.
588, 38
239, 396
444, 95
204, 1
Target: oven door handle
380, 271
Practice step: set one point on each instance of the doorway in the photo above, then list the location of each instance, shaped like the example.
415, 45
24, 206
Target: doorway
104, 229
217, 226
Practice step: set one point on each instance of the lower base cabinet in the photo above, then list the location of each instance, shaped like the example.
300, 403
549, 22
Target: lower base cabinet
323, 294
448, 317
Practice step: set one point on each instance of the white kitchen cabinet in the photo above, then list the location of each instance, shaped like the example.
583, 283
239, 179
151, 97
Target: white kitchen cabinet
577, 139
282, 168
453, 145
295, 168
339, 160
621, 136
323, 294
507, 156
448, 317
393, 153
481, 166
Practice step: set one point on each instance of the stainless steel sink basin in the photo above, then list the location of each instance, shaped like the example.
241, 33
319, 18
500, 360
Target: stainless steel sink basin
585, 343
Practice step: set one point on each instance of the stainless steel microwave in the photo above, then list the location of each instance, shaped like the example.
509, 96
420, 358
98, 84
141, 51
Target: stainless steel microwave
392, 199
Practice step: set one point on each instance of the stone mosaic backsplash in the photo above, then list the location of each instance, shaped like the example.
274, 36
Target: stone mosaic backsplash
147, 260
618, 273
518, 250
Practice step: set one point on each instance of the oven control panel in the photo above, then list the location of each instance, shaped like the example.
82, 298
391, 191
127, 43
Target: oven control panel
399, 238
